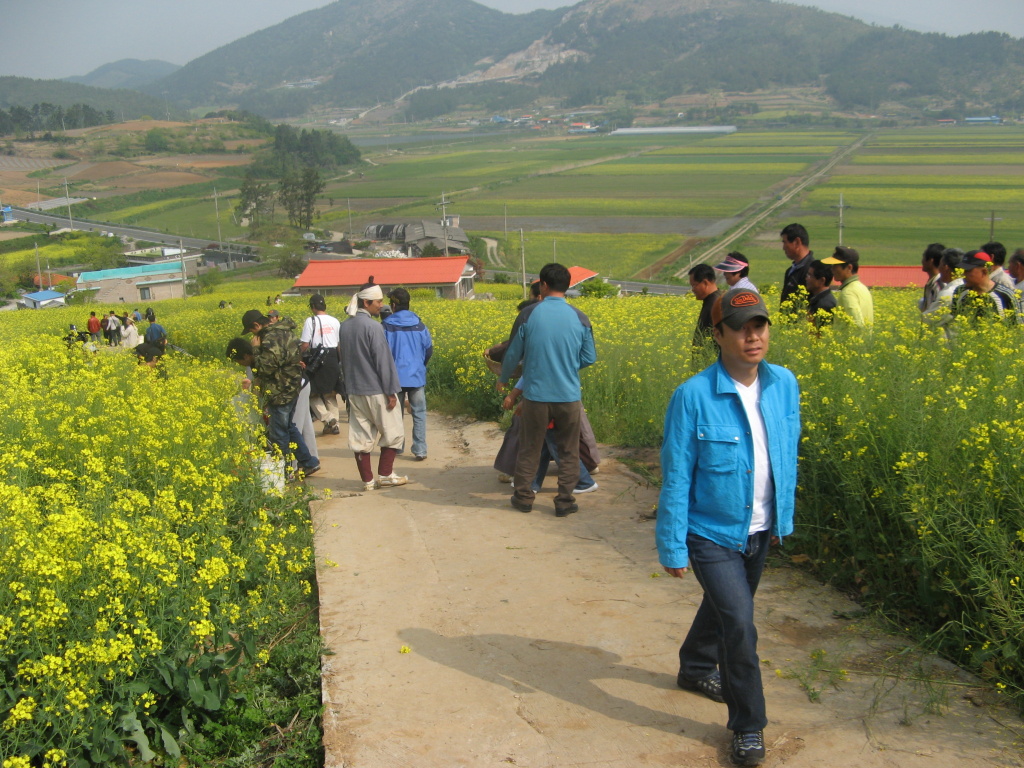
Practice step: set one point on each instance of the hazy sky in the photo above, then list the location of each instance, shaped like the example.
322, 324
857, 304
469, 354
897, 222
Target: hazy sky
60, 38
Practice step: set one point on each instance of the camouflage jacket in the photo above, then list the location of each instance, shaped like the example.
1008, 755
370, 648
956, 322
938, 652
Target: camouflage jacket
276, 370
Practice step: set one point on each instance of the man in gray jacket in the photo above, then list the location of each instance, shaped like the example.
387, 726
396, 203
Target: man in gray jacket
373, 386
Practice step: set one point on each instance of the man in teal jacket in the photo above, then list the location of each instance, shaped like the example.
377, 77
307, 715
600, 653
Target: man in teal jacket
553, 341
728, 486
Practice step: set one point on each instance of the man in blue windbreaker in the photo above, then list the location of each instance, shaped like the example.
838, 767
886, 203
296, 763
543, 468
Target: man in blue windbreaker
553, 341
411, 347
728, 488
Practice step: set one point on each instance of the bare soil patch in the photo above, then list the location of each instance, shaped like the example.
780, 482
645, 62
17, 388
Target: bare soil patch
107, 170
159, 180
197, 161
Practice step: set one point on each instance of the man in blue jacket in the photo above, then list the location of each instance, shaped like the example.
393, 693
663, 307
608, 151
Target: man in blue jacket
728, 486
411, 347
553, 341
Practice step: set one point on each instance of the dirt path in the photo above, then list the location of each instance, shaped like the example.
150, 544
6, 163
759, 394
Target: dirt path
464, 633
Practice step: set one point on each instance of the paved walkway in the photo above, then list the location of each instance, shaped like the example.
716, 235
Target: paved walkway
464, 633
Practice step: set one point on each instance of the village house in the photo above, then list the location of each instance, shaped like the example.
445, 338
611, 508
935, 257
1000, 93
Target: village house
450, 277
151, 282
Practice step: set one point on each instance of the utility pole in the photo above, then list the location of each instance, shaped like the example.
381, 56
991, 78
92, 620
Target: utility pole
443, 205
992, 226
522, 261
184, 284
348, 202
220, 240
67, 196
841, 207
39, 273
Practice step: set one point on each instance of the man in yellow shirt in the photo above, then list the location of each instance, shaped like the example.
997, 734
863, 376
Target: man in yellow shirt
854, 297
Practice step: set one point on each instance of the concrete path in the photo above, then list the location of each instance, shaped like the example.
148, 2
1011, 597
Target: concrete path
464, 633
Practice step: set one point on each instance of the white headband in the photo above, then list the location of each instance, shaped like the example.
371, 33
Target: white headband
367, 294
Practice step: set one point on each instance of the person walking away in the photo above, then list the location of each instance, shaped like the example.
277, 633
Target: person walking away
411, 348
372, 385
728, 463
321, 331
277, 376
93, 326
553, 341
113, 327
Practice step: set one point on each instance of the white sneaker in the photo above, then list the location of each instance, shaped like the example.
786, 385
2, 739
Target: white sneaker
588, 489
390, 481
370, 485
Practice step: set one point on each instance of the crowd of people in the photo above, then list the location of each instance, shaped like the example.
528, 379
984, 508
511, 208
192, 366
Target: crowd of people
370, 367
122, 332
972, 284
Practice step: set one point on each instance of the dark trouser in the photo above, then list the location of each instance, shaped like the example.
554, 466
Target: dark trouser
282, 431
723, 634
534, 418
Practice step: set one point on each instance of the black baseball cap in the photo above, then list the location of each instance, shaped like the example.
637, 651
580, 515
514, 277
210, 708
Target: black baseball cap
253, 316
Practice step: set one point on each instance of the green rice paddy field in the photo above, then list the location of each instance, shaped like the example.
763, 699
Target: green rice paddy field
902, 190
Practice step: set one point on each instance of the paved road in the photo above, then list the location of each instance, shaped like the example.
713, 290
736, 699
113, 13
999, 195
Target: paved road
137, 233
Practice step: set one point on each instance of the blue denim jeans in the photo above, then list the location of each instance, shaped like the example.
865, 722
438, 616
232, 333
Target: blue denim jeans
281, 431
723, 634
549, 453
418, 409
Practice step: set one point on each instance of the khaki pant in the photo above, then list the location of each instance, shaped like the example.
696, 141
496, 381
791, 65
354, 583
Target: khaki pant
370, 421
534, 418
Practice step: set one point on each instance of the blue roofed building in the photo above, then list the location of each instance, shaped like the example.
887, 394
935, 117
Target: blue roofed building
41, 300
151, 282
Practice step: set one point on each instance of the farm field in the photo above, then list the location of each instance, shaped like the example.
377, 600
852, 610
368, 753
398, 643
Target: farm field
901, 190
609, 254
909, 188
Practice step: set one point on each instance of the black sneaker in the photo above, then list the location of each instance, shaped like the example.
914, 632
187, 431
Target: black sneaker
710, 686
747, 747
521, 505
566, 511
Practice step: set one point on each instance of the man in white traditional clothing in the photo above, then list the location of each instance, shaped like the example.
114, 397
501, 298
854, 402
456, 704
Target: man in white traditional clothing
371, 380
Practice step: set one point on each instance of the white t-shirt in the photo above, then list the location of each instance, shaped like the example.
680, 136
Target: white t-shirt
764, 485
320, 331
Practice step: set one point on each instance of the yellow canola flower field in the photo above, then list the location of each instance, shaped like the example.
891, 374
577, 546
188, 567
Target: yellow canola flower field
141, 554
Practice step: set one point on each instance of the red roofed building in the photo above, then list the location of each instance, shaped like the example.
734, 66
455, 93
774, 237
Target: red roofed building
451, 277
892, 277
577, 275
50, 279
